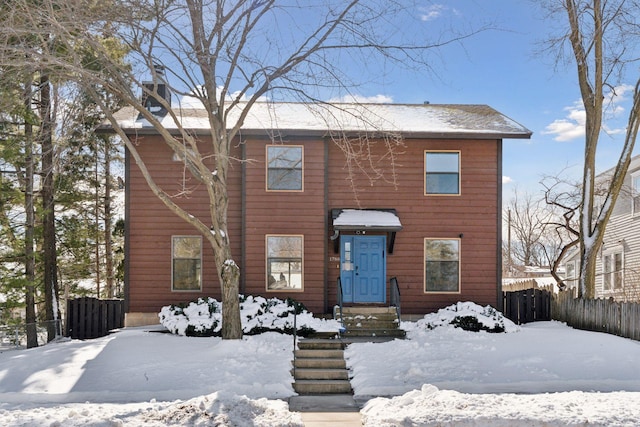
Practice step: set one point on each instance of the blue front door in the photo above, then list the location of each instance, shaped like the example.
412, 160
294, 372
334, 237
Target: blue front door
363, 268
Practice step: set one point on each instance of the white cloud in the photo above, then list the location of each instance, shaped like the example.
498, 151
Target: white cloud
506, 179
572, 126
432, 12
375, 99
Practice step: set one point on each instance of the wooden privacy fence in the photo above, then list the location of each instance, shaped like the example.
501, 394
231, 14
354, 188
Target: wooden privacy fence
599, 315
528, 305
92, 317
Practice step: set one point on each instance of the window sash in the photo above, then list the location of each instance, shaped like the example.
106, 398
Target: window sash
284, 167
606, 266
285, 268
617, 272
186, 266
442, 172
442, 265
635, 194
612, 271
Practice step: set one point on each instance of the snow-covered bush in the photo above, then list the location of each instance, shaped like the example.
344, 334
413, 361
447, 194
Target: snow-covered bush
470, 317
204, 317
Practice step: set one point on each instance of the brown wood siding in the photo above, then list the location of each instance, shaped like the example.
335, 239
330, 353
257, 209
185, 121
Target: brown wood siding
289, 213
255, 213
152, 224
473, 214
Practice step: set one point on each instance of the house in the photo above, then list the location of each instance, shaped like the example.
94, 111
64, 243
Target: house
302, 215
618, 264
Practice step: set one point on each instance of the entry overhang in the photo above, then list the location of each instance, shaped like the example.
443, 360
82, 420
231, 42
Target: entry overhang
366, 219
385, 220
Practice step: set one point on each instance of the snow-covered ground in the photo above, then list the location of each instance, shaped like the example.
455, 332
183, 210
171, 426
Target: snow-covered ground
543, 374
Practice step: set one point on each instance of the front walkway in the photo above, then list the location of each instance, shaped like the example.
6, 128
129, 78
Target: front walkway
327, 410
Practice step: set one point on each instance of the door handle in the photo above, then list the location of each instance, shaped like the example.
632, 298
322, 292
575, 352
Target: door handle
356, 270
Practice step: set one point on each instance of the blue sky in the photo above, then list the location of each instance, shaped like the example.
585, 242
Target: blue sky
507, 69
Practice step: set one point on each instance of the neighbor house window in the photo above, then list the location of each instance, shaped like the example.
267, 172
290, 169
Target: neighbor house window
284, 167
612, 271
186, 253
635, 193
442, 265
442, 172
570, 276
284, 263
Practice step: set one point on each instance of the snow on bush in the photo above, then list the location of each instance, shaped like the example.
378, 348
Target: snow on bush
470, 317
204, 317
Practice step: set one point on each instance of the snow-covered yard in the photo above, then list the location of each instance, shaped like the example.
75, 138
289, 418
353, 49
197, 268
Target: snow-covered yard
543, 374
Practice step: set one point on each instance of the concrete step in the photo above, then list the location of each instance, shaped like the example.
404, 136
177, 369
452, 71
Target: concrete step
319, 354
371, 316
367, 310
320, 344
363, 332
320, 363
322, 387
369, 324
320, 374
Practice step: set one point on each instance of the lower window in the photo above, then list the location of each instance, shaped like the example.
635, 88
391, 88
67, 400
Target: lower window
284, 262
186, 269
612, 271
442, 265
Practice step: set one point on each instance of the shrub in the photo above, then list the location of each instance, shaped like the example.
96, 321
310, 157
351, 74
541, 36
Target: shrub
203, 318
469, 317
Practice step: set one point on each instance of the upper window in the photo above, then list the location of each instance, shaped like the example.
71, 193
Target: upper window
442, 172
186, 253
284, 167
284, 263
442, 265
612, 271
635, 193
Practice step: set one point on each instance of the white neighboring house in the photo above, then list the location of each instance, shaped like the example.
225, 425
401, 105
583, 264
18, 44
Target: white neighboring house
618, 265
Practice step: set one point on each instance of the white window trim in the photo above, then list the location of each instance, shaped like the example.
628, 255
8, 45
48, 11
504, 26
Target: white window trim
635, 192
611, 252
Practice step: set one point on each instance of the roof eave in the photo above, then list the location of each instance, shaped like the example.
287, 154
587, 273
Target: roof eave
469, 135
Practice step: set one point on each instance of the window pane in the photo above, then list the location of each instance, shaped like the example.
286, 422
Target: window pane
442, 162
186, 247
187, 263
442, 173
607, 272
284, 168
186, 274
284, 262
284, 179
442, 266
617, 278
442, 183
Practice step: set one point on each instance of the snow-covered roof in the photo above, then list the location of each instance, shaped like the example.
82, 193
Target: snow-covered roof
367, 218
410, 120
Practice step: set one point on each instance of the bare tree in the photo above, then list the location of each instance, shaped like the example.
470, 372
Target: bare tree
228, 56
602, 35
527, 219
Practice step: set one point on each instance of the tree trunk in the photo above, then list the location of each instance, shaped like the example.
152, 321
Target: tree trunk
231, 321
587, 278
52, 309
29, 253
